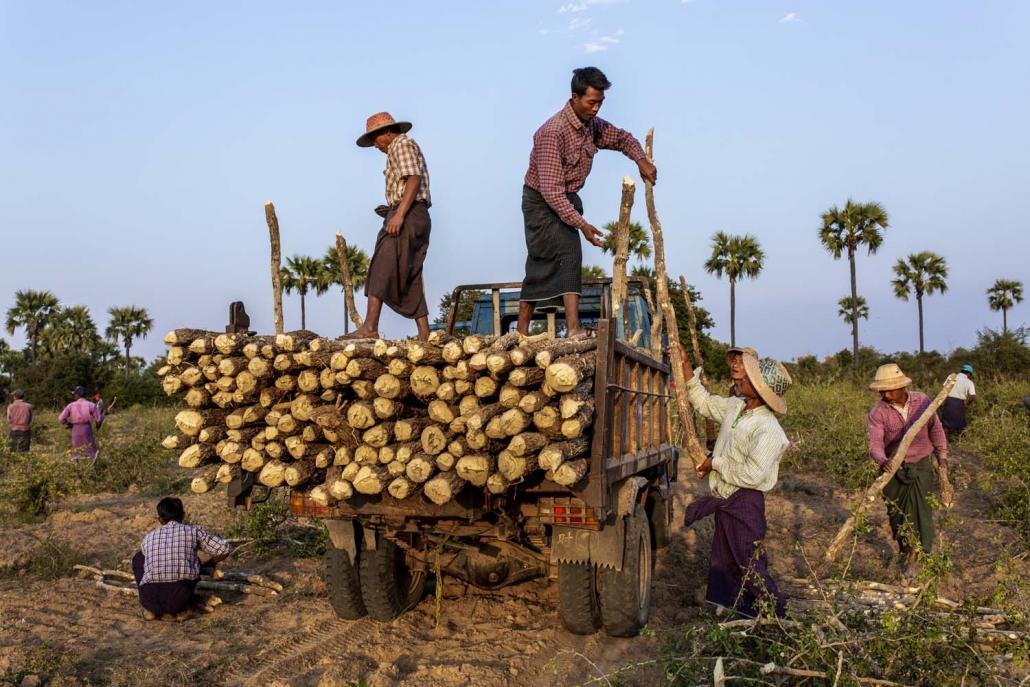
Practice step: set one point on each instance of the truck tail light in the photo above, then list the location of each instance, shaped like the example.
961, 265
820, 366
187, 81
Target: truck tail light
568, 511
302, 506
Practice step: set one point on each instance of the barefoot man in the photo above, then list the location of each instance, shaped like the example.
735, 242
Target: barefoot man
563, 152
395, 273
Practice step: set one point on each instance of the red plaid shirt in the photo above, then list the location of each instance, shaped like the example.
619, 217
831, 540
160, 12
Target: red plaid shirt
563, 153
170, 552
886, 427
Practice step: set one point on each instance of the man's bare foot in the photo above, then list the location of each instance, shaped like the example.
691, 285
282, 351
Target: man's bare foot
576, 333
147, 615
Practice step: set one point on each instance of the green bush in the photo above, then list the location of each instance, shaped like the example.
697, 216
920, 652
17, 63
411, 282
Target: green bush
30, 483
52, 559
270, 527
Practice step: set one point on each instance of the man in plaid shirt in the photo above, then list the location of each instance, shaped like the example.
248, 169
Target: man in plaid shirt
395, 272
167, 566
563, 153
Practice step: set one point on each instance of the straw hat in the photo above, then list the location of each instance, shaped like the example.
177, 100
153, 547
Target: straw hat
889, 377
770, 379
378, 122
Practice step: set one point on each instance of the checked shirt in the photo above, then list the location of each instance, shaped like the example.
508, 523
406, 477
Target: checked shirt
170, 552
404, 159
563, 154
886, 427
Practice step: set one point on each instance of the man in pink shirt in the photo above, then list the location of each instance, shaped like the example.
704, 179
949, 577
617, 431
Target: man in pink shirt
19, 418
80, 415
910, 515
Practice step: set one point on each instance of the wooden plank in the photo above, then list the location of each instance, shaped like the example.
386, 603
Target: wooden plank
596, 493
636, 463
497, 311
624, 409
641, 357
452, 315
552, 325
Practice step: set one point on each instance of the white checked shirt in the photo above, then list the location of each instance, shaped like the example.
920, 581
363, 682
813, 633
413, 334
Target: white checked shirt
404, 159
170, 552
750, 445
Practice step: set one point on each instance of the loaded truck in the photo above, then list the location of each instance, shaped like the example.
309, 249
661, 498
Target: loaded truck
597, 539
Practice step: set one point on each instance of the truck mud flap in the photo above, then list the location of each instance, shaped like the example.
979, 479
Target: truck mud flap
343, 534
602, 547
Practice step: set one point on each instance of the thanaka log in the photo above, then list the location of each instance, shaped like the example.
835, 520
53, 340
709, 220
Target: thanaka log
476, 468
444, 487
569, 473
553, 455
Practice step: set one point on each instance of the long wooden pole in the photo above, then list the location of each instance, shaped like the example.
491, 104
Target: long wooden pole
870, 494
622, 251
348, 285
276, 264
694, 449
692, 322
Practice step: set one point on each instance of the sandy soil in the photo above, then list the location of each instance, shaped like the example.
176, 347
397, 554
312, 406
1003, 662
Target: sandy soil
510, 637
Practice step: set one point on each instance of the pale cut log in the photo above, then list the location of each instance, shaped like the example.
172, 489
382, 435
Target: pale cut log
259, 441
387, 454
240, 398
339, 361
314, 358
246, 383
462, 387
350, 471
171, 385
571, 402
308, 380
506, 341
514, 421
452, 351
185, 336
327, 378
343, 455
321, 495
227, 473
446, 392
515, 467
196, 455
388, 386
269, 396
410, 429
459, 370
270, 350
177, 441
419, 468
468, 405
284, 362
425, 354
331, 435
444, 461
253, 460
621, 235
228, 343
271, 434
526, 443
361, 415
401, 487
197, 397
330, 417
444, 487
546, 418
164, 369
222, 399
365, 390
509, 396
442, 412
244, 434
300, 449
329, 395
365, 368
287, 425
476, 439
295, 340
499, 363
341, 489
176, 355
231, 452
272, 474
495, 428
566, 372
400, 368
424, 381
275, 449
439, 337
212, 434
302, 406
497, 483
380, 435
371, 479
404, 452
523, 377
571, 472
473, 343
190, 422
361, 348
477, 362
286, 383
323, 456
390, 350
396, 468
562, 347
227, 384
311, 433
191, 376
299, 473
232, 365
252, 349
476, 468
553, 455
459, 424
533, 401
388, 409
478, 419
366, 455
577, 425
345, 279
204, 479
434, 439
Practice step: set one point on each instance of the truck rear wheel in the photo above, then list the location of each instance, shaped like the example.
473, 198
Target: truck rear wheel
341, 578
388, 586
626, 593
577, 598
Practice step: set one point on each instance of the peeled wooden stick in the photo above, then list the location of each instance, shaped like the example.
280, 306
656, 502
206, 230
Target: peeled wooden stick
348, 285
276, 264
694, 448
622, 248
871, 492
692, 322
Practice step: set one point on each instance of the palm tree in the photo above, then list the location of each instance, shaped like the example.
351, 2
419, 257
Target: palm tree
357, 264
849, 309
592, 272
71, 329
301, 274
31, 310
738, 257
128, 323
639, 241
922, 274
1003, 295
858, 224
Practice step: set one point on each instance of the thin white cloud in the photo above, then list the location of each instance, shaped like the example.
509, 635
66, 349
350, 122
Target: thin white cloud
572, 7
577, 23
790, 18
602, 43
544, 32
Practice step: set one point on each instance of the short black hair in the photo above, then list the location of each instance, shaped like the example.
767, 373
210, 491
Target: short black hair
589, 76
18, 393
170, 508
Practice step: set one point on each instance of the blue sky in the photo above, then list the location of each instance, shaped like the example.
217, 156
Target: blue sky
139, 141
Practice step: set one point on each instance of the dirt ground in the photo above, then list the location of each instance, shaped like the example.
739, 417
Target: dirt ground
508, 637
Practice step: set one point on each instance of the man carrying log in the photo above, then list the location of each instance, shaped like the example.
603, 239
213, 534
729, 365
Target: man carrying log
395, 272
743, 466
910, 515
562, 155
167, 566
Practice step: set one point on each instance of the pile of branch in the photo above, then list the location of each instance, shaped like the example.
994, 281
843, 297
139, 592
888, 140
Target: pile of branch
338, 417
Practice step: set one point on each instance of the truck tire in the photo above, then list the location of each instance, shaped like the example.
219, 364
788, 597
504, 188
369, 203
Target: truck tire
626, 593
341, 578
577, 598
388, 587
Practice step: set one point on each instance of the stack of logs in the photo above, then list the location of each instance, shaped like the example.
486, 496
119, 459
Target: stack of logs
335, 418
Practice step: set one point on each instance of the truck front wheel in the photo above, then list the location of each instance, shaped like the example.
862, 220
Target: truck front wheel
577, 598
388, 586
341, 578
626, 593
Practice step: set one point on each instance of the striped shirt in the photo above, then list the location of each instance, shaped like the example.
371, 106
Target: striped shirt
404, 159
750, 445
563, 154
886, 426
170, 552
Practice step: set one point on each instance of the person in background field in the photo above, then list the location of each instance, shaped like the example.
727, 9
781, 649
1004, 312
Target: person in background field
743, 467
101, 406
905, 495
562, 155
167, 566
19, 418
963, 394
81, 415
395, 272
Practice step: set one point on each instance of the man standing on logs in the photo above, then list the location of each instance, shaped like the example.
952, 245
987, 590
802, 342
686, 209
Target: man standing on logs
743, 467
910, 515
563, 153
395, 272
